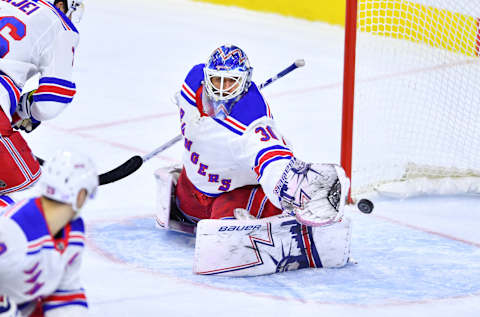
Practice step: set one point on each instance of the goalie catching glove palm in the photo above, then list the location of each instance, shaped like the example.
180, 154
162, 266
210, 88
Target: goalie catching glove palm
314, 193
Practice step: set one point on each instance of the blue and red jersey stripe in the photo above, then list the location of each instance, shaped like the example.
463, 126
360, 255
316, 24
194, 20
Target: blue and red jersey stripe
54, 89
268, 155
63, 298
188, 94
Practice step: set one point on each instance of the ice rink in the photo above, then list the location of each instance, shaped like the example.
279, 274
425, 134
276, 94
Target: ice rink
416, 257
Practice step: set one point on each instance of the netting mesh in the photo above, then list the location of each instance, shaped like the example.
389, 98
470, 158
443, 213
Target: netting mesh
417, 91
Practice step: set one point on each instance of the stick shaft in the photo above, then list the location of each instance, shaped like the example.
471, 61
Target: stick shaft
134, 163
162, 148
298, 63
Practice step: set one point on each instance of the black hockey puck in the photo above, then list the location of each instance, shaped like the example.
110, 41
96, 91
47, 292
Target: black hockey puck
365, 206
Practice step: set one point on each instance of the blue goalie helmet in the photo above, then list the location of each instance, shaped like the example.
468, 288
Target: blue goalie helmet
228, 75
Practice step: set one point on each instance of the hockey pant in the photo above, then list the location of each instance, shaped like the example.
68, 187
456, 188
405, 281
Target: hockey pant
196, 206
18, 167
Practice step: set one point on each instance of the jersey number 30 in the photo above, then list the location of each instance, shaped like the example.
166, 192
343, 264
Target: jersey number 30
266, 134
18, 30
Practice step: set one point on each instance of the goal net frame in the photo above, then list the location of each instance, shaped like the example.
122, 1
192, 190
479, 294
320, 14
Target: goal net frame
445, 38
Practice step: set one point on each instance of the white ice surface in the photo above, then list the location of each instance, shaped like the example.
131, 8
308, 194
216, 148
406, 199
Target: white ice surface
418, 257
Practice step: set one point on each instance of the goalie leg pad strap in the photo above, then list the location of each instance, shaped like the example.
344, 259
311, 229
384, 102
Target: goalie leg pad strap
269, 245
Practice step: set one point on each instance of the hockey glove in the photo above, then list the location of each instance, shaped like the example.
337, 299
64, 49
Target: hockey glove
22, 119
314, 193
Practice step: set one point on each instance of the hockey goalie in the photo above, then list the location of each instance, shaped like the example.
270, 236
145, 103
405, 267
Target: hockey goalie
255, 207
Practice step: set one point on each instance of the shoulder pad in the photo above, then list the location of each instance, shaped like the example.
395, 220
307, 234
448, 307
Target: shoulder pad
78, 225
30, 219
192, 82
251, 107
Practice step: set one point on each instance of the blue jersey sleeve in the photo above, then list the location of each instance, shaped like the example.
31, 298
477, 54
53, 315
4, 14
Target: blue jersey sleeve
251, 107
192, 83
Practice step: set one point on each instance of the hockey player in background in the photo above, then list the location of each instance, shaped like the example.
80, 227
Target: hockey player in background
37, 38
236, 164
42, 241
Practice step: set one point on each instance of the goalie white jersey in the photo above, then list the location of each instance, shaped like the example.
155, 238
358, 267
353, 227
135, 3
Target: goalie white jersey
36, 38
243, 149
34, 265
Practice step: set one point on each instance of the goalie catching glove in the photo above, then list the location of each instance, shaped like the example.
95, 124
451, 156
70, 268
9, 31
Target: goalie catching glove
22, 119
314, 193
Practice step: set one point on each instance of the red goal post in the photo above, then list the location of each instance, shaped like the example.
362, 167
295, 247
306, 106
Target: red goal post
411, 96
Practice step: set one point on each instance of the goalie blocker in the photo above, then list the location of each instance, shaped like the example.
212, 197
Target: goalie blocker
250, 247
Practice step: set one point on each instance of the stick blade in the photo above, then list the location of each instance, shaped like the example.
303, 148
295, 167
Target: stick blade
121, 171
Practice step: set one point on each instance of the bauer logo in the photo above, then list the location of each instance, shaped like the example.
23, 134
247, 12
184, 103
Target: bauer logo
240, 228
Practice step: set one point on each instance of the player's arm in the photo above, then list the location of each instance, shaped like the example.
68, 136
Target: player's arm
13, 252
268, 155
186, 98
13, 246
315, 193
56, 88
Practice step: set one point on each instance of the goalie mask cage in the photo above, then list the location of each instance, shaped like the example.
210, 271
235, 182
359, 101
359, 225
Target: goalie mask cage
411, 100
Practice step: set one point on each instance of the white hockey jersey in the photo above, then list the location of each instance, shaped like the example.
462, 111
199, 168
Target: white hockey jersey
243, 149
34, 265
36, 38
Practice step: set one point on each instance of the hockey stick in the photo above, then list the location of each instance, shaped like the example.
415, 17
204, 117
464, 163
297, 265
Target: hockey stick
129, 166
298, 63
135, 162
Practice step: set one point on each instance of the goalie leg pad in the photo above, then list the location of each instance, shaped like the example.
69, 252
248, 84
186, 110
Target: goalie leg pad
164, 196
168, 216
269, 245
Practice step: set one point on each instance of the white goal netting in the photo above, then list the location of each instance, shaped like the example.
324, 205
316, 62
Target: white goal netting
417, 92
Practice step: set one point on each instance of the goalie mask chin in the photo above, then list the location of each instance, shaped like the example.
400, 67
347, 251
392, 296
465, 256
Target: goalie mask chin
218, 109
227, 76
